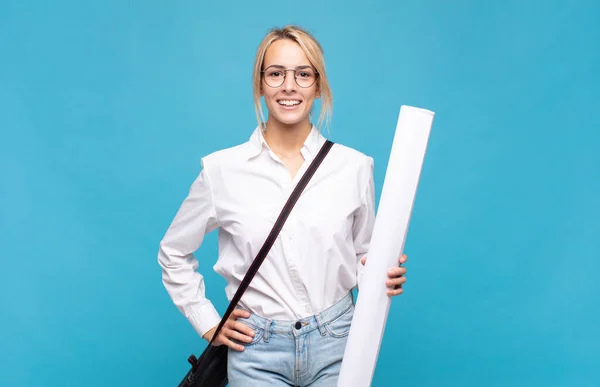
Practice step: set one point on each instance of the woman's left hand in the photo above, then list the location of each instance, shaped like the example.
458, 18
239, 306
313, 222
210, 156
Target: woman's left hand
395, 276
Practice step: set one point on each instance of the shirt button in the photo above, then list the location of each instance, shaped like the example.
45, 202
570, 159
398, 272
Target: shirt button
298, 325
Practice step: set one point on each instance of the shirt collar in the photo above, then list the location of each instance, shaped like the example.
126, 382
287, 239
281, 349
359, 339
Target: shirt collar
312, 144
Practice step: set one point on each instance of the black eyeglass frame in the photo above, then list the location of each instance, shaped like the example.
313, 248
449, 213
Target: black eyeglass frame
284, 70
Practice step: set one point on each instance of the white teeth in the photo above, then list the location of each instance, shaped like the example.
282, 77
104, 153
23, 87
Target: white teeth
289, 102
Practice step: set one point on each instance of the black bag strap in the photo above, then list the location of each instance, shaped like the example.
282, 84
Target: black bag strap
285, 212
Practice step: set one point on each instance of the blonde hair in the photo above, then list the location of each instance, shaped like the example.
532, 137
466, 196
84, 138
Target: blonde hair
313, 51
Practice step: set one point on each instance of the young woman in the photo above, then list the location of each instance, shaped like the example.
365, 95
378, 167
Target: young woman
292, 323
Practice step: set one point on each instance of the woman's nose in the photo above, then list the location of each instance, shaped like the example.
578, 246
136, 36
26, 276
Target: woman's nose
289, 83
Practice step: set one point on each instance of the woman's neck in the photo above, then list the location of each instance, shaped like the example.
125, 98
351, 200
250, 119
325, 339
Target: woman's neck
286, 139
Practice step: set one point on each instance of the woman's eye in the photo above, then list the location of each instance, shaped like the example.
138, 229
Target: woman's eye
275, 74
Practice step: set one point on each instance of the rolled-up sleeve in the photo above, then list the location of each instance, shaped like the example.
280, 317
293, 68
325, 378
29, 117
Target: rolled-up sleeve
364, 219
195, 218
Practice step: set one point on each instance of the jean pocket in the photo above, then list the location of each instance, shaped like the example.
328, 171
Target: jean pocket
340, 326
258, 334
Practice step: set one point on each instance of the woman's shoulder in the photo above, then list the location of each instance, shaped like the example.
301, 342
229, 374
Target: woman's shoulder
235, 154
353, 156
227, 156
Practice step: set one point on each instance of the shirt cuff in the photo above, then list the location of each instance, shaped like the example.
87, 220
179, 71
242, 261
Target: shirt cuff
204, 319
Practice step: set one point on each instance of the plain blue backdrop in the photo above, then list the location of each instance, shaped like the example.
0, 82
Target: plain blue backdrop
106, 108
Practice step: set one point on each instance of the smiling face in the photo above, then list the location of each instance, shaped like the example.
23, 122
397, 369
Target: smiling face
288, 104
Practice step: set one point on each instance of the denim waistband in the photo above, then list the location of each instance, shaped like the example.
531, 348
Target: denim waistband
301, 326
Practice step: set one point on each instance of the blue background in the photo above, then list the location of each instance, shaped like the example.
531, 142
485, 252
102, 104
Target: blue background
106, 108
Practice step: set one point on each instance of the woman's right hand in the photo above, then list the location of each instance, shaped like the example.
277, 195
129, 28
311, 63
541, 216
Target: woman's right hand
232, 330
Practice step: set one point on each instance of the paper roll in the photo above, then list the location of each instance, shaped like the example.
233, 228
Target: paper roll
387, 243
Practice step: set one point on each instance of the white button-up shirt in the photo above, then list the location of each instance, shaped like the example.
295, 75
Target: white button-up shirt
240, 191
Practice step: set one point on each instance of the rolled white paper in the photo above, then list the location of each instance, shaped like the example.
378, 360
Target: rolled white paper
387, 243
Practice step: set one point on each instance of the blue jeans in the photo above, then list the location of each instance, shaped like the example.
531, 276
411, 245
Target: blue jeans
306, 352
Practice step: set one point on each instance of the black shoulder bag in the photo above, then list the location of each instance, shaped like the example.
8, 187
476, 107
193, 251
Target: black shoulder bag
210, 370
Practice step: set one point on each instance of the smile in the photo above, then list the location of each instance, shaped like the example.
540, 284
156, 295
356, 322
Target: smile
289, 102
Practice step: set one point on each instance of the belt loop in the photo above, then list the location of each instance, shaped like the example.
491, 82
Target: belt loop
320, 324
267, 328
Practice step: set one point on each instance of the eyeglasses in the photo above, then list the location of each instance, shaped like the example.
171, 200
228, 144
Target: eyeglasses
275, 76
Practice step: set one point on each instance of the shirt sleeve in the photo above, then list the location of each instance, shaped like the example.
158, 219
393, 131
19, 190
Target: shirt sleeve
364, 220
185, 285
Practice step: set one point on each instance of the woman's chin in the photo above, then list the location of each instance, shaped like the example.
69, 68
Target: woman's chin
289, 119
